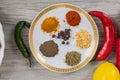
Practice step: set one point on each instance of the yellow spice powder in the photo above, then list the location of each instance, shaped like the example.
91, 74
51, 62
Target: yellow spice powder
50, 24
83, 39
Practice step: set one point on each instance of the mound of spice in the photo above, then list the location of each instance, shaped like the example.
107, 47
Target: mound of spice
83, 39
73, 58
50, 24
49, 48
65, 35
73, 18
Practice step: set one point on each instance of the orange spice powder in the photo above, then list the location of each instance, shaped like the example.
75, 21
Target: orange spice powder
50, 24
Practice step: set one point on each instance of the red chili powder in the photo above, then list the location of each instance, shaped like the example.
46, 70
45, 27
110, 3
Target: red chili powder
73, 18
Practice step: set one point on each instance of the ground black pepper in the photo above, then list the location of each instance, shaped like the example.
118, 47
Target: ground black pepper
49, 48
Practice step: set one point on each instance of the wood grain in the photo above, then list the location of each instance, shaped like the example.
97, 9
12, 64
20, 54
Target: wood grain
15, 66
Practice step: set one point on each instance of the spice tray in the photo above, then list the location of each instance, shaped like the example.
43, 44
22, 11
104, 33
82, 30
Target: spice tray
63, 38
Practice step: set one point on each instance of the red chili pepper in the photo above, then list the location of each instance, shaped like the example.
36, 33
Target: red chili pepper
118, 53
109, 35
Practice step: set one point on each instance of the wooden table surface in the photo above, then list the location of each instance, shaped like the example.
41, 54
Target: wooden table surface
15, 66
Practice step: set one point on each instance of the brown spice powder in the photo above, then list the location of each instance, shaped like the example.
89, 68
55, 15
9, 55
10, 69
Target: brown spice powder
49, 48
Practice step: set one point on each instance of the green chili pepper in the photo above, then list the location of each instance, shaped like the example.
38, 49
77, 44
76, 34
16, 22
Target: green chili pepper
19, 41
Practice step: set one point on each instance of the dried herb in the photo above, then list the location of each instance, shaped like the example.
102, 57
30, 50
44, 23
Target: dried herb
73, 58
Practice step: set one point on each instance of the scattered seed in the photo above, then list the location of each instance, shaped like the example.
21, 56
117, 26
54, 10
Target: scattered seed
67, 42
63, 34
53, 36
63, 42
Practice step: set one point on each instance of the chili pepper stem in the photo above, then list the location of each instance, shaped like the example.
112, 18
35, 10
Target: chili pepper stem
94, 60
30, 63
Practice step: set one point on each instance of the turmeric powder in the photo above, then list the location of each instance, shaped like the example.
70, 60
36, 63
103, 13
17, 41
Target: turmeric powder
50, 24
